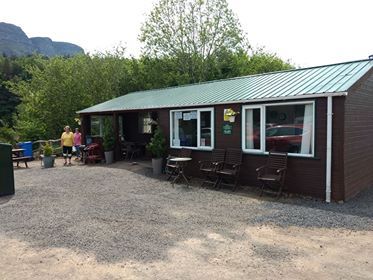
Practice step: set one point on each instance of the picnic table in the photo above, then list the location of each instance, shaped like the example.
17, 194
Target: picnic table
17, 156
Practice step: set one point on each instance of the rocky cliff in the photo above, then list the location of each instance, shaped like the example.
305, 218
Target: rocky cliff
14, 42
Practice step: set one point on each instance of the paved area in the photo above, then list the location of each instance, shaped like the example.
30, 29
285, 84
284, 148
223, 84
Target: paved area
119, 222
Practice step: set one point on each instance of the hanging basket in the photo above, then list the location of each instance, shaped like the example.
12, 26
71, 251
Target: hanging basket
232, 119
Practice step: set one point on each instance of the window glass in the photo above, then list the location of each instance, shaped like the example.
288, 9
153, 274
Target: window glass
185, 129
205, 140
187, 126
145, 123
96, 126
289, 128
252, 139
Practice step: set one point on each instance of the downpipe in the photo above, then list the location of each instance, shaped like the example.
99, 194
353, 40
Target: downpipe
329, 137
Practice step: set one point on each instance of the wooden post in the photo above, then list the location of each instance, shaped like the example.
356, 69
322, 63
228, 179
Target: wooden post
117, 146
85, 127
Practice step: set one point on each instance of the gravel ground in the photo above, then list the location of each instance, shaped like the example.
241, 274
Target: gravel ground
118, 222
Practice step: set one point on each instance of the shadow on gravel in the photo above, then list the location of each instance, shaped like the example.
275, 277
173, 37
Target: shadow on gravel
127, 216
5, 199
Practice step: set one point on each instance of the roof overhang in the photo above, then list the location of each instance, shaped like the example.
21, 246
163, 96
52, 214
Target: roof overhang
243, 101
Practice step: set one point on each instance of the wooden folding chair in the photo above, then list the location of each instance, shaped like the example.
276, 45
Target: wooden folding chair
208, 168
230, 169
272, 175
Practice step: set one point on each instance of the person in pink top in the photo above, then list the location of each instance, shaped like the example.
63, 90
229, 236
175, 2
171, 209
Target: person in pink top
77, 142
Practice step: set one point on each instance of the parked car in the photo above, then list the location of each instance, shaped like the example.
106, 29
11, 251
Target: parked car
282, 138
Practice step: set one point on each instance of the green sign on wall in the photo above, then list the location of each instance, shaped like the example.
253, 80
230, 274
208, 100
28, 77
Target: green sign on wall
227, 128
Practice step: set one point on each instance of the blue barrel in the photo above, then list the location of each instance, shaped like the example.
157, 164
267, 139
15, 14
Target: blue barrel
28, 148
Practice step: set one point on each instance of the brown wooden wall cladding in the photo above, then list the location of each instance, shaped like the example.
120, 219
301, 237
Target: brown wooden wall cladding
358, 135
305, 175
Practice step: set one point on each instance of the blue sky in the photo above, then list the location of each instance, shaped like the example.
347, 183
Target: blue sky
309, 33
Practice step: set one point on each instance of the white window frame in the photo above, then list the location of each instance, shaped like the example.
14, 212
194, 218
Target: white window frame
100, 124
199, 147
262, 108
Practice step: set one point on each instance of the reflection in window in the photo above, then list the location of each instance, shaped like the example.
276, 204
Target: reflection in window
205, 129
96, 126
288, 128
188, 125
252, 121
145, 123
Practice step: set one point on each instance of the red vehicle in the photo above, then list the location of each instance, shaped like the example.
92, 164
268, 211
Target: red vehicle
282, 138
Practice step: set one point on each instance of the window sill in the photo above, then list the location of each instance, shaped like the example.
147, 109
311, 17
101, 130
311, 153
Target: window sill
260, 153
193, 148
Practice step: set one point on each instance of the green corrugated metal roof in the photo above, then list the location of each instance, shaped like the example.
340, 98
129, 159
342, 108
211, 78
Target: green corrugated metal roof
297, 83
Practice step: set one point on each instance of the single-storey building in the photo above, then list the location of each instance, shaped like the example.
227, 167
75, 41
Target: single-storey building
322, 116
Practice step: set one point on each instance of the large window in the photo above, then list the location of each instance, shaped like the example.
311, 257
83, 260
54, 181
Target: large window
192, 128
287, 127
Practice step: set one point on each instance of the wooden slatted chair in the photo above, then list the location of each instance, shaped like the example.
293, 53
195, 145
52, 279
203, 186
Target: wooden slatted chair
209, 168
230, 169
272, 175
171, 166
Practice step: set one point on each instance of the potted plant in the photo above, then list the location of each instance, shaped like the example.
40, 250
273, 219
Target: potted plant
157, 147
230, 115
108, 144
48, 157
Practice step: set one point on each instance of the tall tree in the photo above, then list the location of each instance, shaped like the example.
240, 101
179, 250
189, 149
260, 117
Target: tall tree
193, 31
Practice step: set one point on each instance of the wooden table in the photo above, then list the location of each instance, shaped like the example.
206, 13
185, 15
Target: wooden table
17, 152
17, 156
180, 163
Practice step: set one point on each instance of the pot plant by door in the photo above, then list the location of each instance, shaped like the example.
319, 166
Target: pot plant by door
157, 148
109, 146
48, 157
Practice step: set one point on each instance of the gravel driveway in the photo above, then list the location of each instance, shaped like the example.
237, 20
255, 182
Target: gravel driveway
99, 222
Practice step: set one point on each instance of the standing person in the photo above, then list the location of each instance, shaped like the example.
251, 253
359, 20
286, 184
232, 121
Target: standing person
77, 142
67, 141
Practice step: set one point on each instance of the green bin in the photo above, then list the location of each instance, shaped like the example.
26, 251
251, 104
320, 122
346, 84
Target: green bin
6, 170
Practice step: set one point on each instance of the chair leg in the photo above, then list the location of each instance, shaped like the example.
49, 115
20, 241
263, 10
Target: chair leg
279, 192
235, 184
217, 183
262, 189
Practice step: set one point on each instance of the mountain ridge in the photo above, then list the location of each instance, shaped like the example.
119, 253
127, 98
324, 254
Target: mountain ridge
15, 42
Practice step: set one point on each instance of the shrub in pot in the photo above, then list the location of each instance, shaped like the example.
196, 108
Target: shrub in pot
157, 147
108, 144
48, 157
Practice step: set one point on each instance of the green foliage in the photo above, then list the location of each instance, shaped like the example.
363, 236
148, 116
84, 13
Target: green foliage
157, 145
7, 135
61, 86
108, 136
192, 33
10, 69
47, 150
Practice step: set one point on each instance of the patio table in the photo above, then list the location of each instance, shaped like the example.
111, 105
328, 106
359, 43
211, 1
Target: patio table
181, 163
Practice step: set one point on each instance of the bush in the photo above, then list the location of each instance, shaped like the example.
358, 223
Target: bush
47, 150
7, 135
108, 137
157, 145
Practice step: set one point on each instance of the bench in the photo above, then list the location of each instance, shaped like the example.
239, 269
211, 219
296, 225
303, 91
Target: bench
24, 159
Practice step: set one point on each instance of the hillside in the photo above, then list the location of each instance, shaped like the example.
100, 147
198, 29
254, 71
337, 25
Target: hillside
14, 42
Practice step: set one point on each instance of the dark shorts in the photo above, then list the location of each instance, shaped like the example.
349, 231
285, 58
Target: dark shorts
67, 151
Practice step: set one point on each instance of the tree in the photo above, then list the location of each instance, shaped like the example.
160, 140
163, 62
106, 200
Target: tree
61, 86
193, 32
